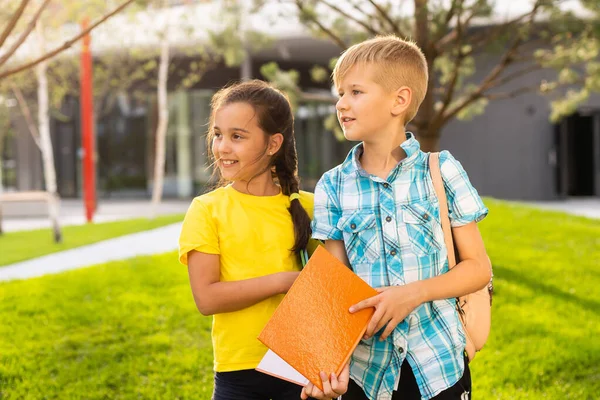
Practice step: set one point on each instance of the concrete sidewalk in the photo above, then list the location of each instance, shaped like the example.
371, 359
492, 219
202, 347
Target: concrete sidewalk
72, 213
584, 207
164, 239
155, 241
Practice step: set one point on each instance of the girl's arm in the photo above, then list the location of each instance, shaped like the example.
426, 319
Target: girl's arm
215, 297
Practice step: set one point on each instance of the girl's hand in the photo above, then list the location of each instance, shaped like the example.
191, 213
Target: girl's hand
392, 305
286, 280
332, 389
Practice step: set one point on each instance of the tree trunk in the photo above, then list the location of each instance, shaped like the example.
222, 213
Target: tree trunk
429, 141
163, 121
45, 140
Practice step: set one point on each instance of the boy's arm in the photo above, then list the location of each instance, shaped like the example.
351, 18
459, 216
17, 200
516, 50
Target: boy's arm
215, 297
468, 276
393, 304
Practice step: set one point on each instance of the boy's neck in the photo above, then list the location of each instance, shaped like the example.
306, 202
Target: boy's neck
380, 157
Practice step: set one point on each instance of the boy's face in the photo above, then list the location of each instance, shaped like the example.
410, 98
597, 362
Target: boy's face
364, 109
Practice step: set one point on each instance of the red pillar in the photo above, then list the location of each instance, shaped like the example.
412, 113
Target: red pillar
87, 127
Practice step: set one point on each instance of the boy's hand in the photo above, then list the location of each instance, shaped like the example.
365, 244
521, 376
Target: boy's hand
331, 389
392, 306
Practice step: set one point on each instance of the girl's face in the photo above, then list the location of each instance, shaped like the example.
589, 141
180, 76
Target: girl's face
240, 146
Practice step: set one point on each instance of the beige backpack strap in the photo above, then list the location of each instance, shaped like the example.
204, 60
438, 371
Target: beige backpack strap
438, 184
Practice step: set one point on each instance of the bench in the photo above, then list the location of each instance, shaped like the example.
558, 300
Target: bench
50, 200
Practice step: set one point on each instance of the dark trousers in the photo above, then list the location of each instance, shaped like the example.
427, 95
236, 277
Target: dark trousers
250, 384
409, 390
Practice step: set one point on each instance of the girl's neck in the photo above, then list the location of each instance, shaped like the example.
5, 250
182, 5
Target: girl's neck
262, 185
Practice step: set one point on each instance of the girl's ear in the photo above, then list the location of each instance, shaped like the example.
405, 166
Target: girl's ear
275, 142
402, 100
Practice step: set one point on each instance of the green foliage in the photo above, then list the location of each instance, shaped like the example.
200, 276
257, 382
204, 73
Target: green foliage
286, 81
20, 243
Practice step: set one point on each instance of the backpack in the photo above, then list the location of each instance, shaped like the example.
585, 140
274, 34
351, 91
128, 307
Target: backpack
474, 309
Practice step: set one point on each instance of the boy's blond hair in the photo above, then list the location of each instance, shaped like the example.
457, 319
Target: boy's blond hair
397, 63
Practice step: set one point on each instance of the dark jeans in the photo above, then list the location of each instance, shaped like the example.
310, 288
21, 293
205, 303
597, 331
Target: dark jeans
409, 390
250, 384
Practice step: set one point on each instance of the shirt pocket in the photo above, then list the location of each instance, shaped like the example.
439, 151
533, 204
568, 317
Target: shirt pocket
422, 221
361, 237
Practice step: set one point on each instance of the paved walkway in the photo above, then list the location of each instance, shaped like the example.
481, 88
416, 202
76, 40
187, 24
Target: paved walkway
72, 213
155, 241
164, 239
585, 207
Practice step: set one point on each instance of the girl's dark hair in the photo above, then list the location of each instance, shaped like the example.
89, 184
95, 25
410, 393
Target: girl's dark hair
274, 116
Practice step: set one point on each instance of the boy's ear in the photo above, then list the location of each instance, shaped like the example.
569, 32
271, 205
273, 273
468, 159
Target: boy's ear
402, 100
275, 142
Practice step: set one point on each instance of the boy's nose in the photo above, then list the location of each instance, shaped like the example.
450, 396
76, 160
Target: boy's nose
341, 105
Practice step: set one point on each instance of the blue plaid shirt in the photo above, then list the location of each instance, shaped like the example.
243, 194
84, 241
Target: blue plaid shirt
392, 234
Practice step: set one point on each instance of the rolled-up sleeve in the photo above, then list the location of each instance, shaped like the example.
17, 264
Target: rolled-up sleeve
464, 203
327, 210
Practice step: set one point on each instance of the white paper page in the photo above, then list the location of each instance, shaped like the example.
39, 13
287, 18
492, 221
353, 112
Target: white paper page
274, 365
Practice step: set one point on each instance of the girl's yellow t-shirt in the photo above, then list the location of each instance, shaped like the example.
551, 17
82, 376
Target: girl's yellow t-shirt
253, 236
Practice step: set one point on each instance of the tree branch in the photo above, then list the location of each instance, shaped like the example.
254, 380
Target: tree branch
489, 81
386, 17
66, 45
35, 134
13, 21
24, 34
516, 74
351, 18
336, 39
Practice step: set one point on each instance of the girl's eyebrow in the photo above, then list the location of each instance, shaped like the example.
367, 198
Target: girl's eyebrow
232, 129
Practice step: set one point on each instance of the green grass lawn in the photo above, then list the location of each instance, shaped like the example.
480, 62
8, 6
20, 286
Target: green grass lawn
23, 245
129, 330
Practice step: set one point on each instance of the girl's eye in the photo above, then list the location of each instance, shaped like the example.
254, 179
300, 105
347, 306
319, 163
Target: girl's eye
217, 135
237, 137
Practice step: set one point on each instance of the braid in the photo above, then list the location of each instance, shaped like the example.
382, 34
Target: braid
286, 169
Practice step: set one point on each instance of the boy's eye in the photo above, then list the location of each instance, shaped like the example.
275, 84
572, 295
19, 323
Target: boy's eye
355, 92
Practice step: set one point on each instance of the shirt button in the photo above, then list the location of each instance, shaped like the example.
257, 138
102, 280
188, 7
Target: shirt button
353, 226
386, 185
400, 349
388, 218
426, 216
393, 252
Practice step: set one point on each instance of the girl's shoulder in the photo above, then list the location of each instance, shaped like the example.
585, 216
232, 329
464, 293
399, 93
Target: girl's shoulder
211, 197
307, 199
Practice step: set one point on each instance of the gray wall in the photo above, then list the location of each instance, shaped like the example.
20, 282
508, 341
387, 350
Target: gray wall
508, 150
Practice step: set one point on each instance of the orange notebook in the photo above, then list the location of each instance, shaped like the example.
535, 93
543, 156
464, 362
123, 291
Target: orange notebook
312, 329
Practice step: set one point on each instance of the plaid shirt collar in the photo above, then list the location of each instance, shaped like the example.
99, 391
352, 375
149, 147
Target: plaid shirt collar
410, 146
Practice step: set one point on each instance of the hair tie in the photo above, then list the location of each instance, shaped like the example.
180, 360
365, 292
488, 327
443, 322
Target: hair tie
294, 196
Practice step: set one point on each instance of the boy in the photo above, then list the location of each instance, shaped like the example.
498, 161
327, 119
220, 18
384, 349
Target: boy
378, 213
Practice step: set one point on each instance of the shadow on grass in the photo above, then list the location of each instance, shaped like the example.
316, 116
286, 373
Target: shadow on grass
536, 285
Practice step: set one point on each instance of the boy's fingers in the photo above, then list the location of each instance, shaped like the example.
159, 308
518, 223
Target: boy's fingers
373, 323
326, 385
388, 329
367, 303
383, 289
303, 394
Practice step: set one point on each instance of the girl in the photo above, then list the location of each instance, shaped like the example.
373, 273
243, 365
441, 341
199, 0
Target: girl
241, 242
